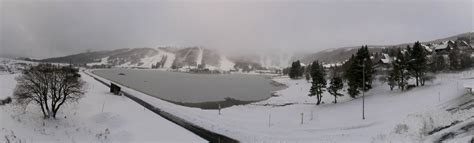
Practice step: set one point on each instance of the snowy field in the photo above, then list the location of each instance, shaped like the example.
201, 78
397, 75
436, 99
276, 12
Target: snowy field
97, 117
294, 117
391, 116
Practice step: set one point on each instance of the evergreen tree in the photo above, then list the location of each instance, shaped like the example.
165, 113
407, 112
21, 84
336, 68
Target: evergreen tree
307, 73
392, 78
400, 69
438, 63
360, 67
368, 68
301, 71
417, 62
465, 60
351, 77
454, 61
286, 71
335, 85
294, 72
318, 83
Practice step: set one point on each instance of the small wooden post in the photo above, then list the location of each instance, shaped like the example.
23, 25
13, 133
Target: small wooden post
302, 114
439, 96
269, 120
103, 105
219, 106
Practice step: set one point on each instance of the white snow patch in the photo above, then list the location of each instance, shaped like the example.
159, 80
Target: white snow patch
225, 63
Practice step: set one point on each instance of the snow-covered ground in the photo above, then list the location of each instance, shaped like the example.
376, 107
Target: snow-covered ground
293, 116
391, 116
97, 117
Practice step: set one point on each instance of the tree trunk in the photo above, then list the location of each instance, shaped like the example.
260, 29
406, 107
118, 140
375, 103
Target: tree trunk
319, 100
54, 114
42, 110
416, 78
422, 81
335, 99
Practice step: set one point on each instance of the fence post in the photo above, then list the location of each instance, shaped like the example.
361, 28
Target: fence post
103, 105
302, 114
269, 120
439, 96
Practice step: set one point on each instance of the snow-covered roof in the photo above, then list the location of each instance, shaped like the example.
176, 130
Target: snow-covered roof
332, 65
386, 59
302, 64
427, 48
441, 46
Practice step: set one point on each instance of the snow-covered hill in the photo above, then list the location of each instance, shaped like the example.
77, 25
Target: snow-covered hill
13, 65
162, 57
337, 55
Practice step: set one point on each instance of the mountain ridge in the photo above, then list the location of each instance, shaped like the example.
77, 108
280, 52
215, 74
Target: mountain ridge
178, 57
337, 55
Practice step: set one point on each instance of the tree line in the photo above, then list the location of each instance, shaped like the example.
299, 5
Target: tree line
358, 73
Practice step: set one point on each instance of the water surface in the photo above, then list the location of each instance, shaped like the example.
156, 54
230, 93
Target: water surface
193, 88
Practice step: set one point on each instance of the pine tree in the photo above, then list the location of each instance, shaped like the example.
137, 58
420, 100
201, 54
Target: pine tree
335, 85
295, 70
307, 73
417, 62
438, 63
454, 61
360, 67
318, 83
368, 68
351, 77
392, 78
400, 67
301, 71
465, 60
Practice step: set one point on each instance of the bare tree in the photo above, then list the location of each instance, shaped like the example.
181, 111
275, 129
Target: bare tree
49, 86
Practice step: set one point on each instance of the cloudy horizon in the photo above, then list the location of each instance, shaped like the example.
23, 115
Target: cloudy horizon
58, 28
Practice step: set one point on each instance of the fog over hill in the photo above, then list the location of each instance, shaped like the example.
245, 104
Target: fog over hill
344, 53
51, 28
167, 57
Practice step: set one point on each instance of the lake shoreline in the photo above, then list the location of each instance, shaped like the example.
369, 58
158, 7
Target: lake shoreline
207, 105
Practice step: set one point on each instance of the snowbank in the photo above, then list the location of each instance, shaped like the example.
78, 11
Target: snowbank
98, 117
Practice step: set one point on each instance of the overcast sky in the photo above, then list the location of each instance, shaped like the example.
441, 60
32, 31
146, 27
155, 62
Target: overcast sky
42, 29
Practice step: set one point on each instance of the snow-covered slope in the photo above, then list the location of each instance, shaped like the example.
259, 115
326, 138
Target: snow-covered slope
294, 117
13, 66
97, 117
163, 57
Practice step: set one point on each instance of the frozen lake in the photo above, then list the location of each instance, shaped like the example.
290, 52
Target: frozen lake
193, 88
